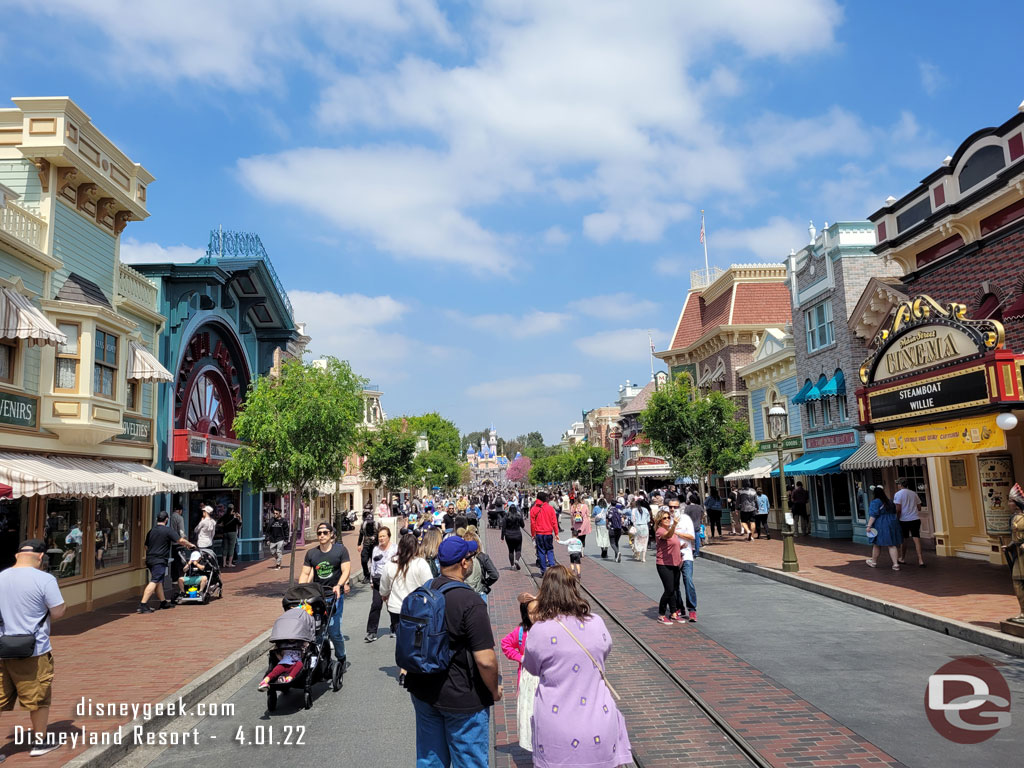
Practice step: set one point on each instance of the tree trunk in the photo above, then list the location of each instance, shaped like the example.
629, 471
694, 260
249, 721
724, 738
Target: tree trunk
291, 562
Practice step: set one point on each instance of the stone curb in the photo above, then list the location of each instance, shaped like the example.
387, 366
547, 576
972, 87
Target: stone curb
102, 756
951, 627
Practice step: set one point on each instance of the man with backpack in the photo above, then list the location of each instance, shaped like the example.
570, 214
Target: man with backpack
445, 644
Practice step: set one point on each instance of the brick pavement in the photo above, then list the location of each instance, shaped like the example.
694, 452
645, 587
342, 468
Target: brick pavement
965, 590
665, 727
116, 655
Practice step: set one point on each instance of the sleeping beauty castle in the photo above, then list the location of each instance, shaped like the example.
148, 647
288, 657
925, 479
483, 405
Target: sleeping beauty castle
486, 465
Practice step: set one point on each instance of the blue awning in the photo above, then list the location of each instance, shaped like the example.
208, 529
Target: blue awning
836, 386
801, 397
818, 463
814, 393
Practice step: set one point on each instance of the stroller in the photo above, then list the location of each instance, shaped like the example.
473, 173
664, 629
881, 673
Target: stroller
317, 664
214, 587
492, 517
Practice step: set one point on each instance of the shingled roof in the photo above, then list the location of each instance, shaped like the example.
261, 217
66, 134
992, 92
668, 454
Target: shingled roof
638, 403
77, 288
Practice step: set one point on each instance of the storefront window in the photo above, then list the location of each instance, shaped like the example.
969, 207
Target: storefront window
113, 532
819, 496
13, 528
865, 483
916, 476
839, 490
64, 537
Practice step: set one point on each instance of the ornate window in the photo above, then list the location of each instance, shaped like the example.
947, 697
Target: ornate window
818, 320
206, 405
982, 164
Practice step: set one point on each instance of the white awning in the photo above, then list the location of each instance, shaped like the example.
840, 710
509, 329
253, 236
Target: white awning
34, 475
867, 457
759, 467
123, 483
143, 365
163, 482
19, 319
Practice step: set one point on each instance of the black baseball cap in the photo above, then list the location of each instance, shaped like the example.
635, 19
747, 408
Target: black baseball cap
33, 545
161, 515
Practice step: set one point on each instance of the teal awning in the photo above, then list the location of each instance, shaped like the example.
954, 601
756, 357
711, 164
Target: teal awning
814, 393
801, 397
836, 386
818, 463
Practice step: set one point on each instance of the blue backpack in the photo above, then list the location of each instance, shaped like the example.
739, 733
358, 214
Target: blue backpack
422, 644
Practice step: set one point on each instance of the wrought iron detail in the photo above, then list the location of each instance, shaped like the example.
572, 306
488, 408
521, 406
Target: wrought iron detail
228, 244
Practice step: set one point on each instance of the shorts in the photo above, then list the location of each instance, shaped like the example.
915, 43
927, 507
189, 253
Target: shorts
746, 517
192, 581
26, 681
157, 571
911, 529
575, 557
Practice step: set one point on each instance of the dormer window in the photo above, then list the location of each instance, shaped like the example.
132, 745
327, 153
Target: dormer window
982, 164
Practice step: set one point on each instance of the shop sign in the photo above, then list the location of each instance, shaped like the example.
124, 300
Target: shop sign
135, 430
950, 392
924, 335
976, 434
996, 475
646, 461
839, 440
197, 447
790, 443
18, 410
221, 451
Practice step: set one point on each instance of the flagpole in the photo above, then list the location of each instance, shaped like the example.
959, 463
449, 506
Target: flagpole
704, 239
652, 355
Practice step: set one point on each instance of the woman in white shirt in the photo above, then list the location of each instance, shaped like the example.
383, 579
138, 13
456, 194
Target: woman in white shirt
402, 576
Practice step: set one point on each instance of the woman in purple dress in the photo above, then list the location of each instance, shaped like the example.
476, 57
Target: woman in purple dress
575, 720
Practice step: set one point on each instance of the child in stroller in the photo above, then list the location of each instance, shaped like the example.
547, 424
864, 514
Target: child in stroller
302, 650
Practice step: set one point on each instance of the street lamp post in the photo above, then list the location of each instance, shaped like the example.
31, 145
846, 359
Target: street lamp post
634, 451
778, 424
590, 472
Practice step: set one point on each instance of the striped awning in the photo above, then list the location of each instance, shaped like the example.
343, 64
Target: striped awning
121, 483
759, 467
143, 365
19, 319
34, 475
163, 482
867, 457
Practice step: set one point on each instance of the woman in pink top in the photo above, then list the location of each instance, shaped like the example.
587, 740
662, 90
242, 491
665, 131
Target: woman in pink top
580, 520
669, 562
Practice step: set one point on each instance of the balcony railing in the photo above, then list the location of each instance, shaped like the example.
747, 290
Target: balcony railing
133, 286
23, 225
702, 278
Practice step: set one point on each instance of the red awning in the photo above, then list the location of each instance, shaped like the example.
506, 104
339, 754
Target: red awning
1016, 310
5, 491
637, 439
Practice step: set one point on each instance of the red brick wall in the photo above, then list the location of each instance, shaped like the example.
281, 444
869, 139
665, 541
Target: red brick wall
999, 263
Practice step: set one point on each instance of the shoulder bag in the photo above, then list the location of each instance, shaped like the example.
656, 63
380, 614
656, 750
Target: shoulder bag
600, 669
20, 646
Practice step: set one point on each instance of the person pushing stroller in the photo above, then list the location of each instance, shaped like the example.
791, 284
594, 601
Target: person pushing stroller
293, 632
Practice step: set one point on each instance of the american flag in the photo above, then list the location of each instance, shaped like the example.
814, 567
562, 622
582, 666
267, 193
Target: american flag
702, 228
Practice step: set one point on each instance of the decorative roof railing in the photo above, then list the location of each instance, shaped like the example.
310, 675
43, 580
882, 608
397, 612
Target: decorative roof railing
228, 244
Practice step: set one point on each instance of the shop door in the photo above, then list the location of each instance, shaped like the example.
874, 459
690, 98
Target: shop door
13, 528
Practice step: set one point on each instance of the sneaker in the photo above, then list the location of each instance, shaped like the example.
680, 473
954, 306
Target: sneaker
264, 684
871, 563
370, 637
896, 567
166, 604
143, 608
678, 618
43, 749
693, 616
664, 620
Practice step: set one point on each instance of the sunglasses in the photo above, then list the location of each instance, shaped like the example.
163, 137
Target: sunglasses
323, 533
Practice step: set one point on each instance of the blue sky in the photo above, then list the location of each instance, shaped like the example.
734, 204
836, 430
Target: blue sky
486, 207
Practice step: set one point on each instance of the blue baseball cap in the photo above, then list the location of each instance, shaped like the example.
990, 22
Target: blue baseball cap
453, 549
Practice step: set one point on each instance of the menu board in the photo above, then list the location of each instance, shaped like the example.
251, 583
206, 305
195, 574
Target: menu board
996, 476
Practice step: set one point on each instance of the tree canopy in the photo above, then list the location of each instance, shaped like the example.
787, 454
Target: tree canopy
698, 435
571, 466
441, 433
518, 470
440, 464
388, 452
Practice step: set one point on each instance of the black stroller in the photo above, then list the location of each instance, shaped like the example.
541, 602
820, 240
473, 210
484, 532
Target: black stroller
214, 587
317, 657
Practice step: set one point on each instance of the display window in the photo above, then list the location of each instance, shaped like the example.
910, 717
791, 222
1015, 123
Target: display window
113, 532
13, 528
64, 534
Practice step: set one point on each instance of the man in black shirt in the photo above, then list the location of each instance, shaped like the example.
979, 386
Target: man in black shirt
276, 536
366, 542
328, 564
452, 717
159, 541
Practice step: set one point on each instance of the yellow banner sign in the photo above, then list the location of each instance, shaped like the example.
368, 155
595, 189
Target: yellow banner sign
970, 435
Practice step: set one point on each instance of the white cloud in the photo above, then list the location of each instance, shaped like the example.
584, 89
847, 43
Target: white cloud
614, 306
134, 252
781, 142
931, 77
240, 43
525, 387
353, 327
556, 236
670, 266
768, 243
533, 323
627, 345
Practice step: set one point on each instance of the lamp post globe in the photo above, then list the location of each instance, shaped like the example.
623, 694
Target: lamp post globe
590, 472
778, 426
634, 451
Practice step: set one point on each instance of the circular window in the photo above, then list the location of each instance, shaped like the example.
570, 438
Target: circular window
208, 405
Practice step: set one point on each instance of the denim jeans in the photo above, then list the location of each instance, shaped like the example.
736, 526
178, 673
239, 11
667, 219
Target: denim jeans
446, 739
545, 550
691, 591
334, 627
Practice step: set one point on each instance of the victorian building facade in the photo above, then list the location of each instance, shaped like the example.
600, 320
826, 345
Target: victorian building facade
634, 465
79, 376
942, 384
229, 320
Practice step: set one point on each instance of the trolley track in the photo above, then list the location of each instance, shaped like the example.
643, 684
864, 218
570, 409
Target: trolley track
731, 735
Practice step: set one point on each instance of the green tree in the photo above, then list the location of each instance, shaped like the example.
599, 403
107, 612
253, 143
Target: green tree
465, 474
297, 430
440, 465
473, 438
442, 434
698, 435
576, 468
541, 471
388, 453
